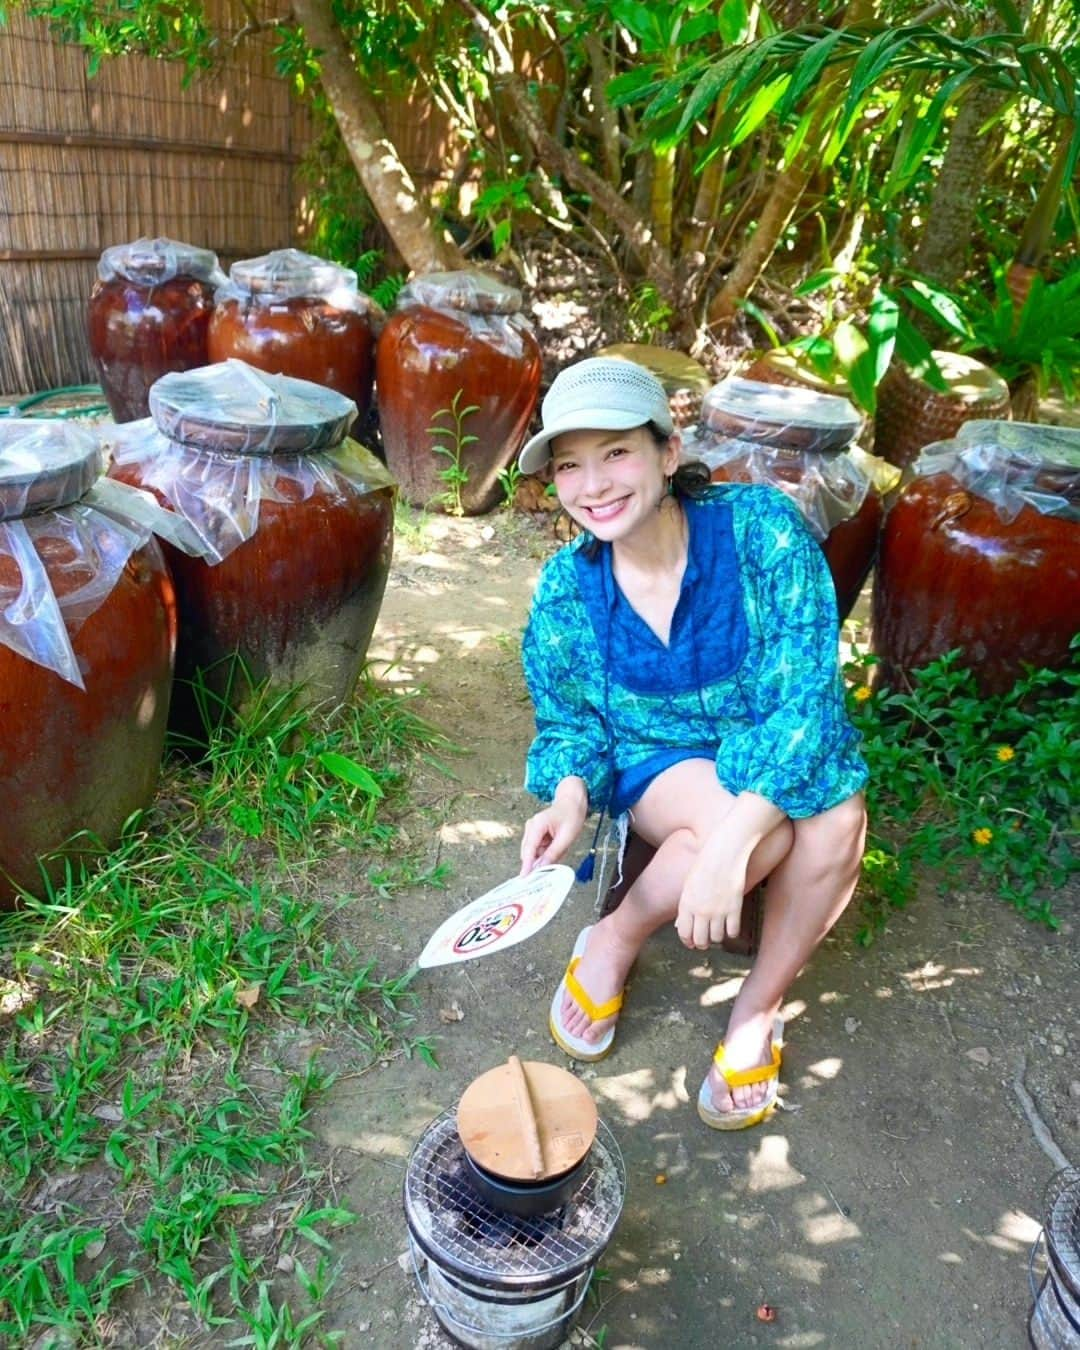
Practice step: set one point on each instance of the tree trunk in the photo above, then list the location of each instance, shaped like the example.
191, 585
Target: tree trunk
386, 180
945, 238
606, 116
787, 189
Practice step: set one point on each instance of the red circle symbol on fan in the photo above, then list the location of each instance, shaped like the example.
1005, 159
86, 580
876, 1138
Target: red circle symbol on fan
488, 930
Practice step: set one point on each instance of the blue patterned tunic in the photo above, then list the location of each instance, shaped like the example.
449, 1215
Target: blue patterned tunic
749, 676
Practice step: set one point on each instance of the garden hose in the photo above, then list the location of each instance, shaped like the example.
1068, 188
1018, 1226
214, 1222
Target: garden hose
34, 401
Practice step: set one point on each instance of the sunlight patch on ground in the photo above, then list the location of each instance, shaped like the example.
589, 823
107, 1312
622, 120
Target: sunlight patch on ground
476, 831
637, 1096
822, 1222
379, 1145
804, 1268
721, 993
935, 975
1015, 1233
827, 1068
769, 1167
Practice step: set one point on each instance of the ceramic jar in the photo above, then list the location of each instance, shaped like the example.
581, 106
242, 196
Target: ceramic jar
286, 532
290, 313
981, 551
87, 633
149, 314
799, 441
458, 374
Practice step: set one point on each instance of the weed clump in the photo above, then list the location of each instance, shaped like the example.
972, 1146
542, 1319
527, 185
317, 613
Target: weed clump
160, 1061
960, 782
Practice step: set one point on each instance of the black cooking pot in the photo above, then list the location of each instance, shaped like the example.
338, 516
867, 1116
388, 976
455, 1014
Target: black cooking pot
527, 1199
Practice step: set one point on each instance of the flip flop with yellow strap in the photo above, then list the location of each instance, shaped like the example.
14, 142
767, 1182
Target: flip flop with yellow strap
741, 1118
575, 1046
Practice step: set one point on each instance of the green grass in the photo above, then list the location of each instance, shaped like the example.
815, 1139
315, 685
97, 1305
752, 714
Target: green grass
156, 1082
969, 786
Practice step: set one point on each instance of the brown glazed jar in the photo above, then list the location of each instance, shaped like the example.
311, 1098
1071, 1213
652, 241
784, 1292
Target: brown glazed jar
456, 341
289, 530
85, 680
981, 551
149, 313
290, 313
799, 441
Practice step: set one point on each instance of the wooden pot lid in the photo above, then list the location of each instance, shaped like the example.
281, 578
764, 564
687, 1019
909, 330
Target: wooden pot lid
527, 1121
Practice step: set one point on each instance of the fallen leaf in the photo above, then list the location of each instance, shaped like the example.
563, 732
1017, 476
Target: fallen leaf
980, 1055
247, 998
766, 1313
93, 1250
451, 1014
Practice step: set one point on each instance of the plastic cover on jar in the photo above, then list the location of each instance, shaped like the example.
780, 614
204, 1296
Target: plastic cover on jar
785, 417
217, 495
1012, 465
88, 539
292, 274
231, 406
828, 489
487, 307
151, 262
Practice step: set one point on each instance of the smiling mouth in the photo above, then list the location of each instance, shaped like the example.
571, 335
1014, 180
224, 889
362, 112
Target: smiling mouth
607, 511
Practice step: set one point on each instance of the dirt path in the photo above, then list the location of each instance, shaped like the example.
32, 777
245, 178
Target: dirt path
894, 1203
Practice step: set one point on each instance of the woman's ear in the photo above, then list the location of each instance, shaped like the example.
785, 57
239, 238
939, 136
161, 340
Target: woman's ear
671, 454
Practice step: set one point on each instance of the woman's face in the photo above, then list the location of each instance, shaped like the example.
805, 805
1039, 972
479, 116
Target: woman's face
611, 482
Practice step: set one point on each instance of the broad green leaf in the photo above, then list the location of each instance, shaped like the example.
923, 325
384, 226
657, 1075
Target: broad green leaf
917, 354
939, 304
881, 326
807, 72
349, 771
761, 105
756, 312
732, 21
818, 282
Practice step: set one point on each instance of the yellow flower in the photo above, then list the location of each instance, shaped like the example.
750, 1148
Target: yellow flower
982, 836
1005, 753
862, 693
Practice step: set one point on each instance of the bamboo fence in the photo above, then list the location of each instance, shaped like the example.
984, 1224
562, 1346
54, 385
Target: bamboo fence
86, 163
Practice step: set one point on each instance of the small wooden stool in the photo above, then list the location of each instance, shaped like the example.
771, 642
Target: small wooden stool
636, 858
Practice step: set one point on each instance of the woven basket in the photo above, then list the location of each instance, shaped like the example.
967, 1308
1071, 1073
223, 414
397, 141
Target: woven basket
910, 414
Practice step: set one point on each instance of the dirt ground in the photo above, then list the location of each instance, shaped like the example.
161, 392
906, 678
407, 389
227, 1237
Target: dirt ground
931, 1080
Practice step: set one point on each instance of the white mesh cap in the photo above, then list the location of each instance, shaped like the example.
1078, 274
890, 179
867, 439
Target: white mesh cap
599, 394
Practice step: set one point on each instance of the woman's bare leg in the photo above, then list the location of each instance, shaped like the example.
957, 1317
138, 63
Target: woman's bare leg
805, 896
680, 808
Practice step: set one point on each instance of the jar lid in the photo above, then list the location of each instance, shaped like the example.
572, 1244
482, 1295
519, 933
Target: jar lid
154, 261
44, 464
235, 408
1033, 442
782, 416
471, 291
289, 273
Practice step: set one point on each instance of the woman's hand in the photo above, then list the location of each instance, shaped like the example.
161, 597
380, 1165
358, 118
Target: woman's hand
710, 907
549, 834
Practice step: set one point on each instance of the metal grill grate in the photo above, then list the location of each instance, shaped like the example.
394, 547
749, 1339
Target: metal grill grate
1062, 1210
458, 1226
